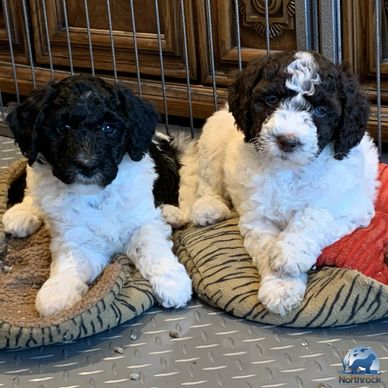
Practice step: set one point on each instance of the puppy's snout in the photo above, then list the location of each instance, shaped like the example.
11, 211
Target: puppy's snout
87, 167
287, 143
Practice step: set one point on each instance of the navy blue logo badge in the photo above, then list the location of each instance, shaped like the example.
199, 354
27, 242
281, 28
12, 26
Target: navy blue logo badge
362, 364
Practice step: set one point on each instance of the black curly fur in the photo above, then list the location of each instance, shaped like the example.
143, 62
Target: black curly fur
167, 167
141, 121
339, 92
62, 121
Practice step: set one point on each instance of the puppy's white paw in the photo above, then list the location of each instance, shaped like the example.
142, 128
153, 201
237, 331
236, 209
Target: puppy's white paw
172, 285
287, 257
173, 216
208, 211
58, 293
20, 222
281, 295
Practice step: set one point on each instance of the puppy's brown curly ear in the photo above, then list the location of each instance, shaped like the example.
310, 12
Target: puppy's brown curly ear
25, 120
141, 122
355, 113
240, 95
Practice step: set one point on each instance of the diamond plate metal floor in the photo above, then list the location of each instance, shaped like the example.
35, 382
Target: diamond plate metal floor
196, 346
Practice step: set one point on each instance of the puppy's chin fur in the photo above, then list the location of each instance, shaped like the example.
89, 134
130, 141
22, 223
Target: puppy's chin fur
85, 189
282, 160
96, 180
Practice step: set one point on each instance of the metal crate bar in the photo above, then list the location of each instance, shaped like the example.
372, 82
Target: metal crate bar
315, 25
29, 46
68, 37
162, 77
303, 21
11, 53
47, 32
187, 68
112, 42
267, 28
136, 52
330, 30
378, 71
238, 37
89, 37
211, 52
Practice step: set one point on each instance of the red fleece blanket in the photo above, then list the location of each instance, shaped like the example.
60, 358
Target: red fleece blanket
366, 249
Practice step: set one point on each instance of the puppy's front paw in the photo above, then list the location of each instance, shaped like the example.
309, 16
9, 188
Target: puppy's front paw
59, 293
208, 211
281, 295
172, 285
20, 222
287, 257
173, 216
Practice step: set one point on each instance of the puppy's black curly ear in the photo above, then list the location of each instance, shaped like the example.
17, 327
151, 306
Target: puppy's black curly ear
355, 113
240, 96
141, 122
25, 120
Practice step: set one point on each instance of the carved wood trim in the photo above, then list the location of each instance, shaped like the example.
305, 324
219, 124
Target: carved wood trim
281, 13
226, 54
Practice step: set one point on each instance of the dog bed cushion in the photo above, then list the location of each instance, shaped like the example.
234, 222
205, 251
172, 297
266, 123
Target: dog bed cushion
118, 295
224, 276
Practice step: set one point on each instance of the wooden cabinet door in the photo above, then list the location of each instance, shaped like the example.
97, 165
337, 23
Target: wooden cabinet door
359, 50
101, 36
16, 26
251, 20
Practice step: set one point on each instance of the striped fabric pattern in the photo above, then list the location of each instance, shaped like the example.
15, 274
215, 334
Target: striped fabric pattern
224, 276
117, 296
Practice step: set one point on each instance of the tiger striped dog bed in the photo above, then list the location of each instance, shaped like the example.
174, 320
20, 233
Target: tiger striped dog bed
118, 295
222, 274
224, 277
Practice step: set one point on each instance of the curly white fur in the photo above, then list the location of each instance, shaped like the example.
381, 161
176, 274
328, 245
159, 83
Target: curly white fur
289, 209
88, 228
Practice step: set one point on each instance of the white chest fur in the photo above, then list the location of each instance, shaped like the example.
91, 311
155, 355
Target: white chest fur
269, 189
112, 213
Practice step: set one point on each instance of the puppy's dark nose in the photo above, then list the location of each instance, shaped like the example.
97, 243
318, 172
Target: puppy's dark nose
287, 143
87, 167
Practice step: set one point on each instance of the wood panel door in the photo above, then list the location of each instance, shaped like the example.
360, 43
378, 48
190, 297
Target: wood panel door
17, 29
171, 36
252, 25
359, 50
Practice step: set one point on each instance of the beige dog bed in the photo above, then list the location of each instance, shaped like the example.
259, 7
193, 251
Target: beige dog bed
224, 276
118, 295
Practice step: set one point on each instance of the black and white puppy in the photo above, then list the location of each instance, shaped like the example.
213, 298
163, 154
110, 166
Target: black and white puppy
293, 158
94, 176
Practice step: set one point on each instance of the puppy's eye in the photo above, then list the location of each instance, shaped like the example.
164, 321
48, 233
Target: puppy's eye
108, 129
319, 111
64, 127
271, 100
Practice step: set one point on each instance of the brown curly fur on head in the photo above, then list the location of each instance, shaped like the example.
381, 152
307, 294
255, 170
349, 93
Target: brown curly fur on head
346, 107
